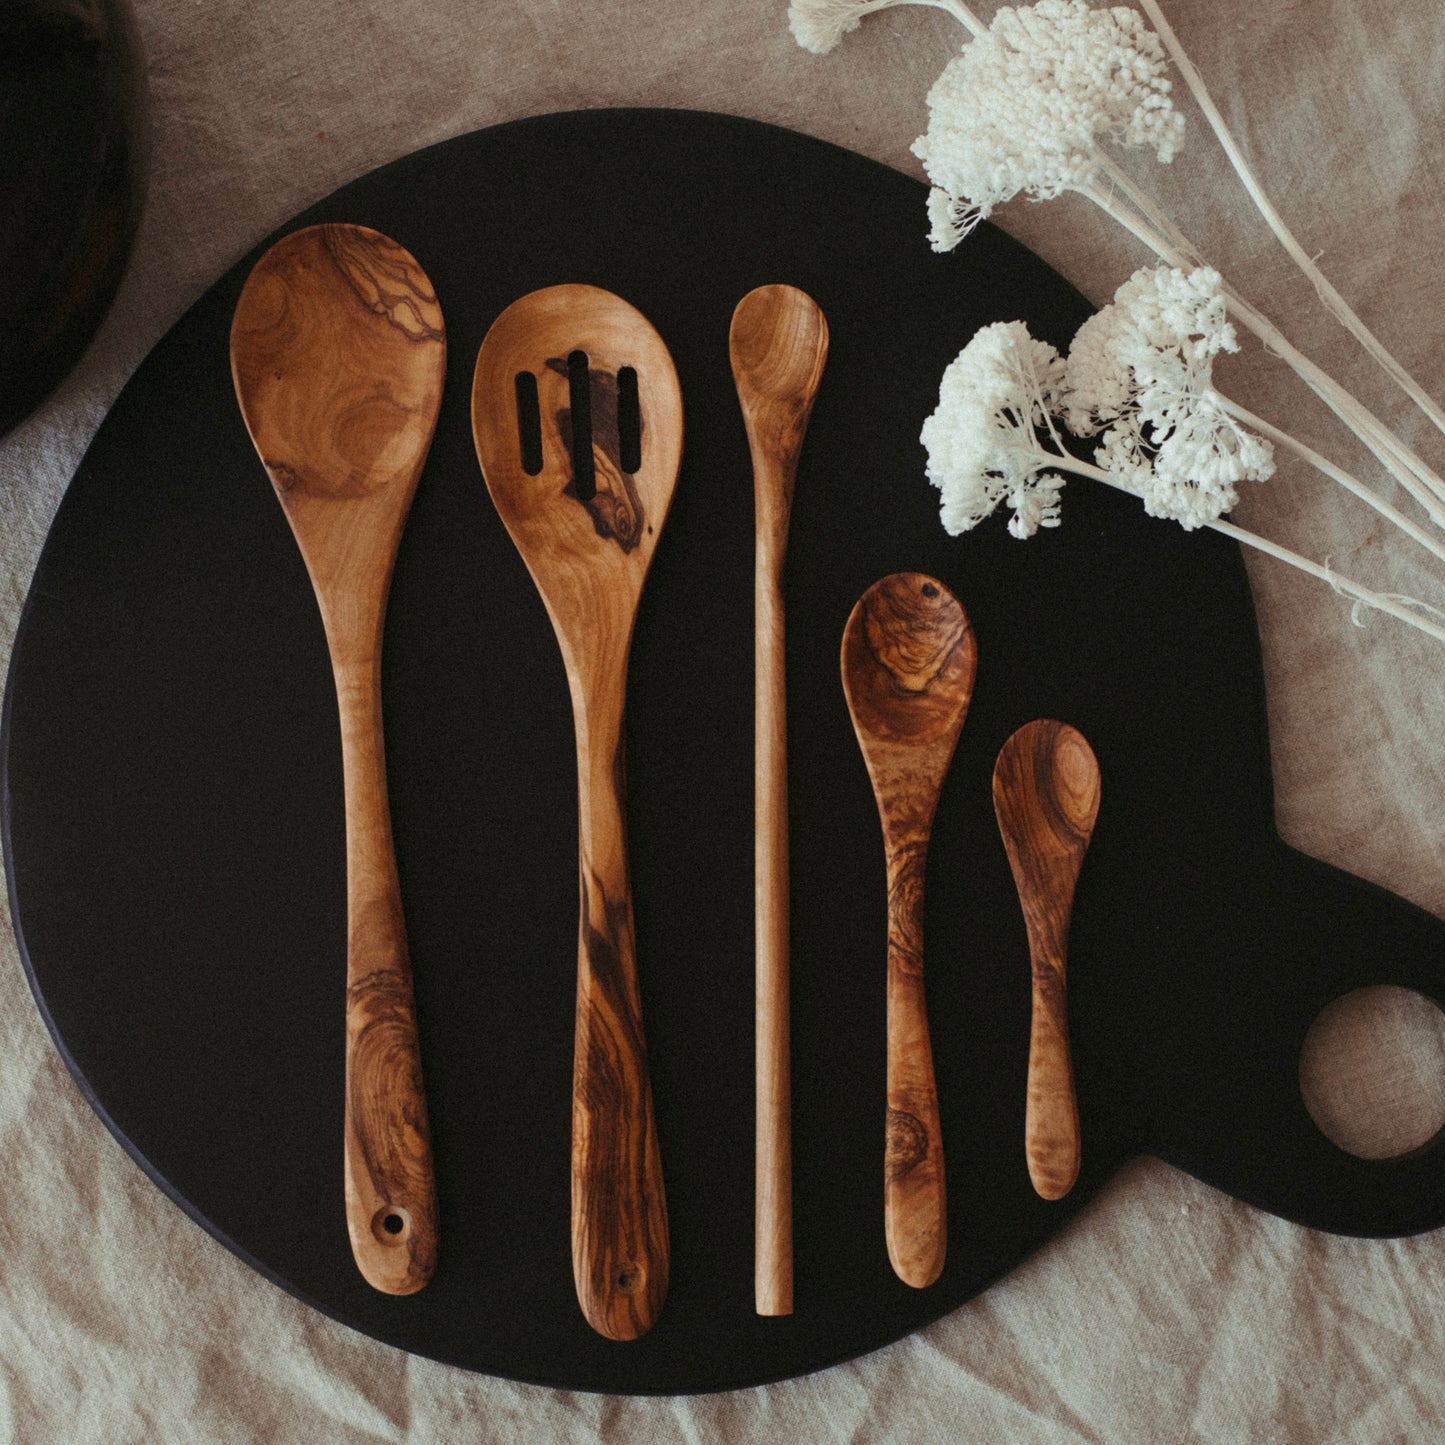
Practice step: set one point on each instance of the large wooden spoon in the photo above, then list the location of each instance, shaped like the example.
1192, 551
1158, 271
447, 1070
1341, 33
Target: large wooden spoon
1046, 794
908, 665
337, 352
778, 343
577, 418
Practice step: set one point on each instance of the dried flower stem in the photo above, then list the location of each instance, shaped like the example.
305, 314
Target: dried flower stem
1333, 301
961, 13
1351, 484
1383, 602
1146, 223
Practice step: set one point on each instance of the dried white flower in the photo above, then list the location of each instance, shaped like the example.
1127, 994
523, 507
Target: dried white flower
982, 447
818, 25
1141, 372
1025, 109
949, 221
1024, 106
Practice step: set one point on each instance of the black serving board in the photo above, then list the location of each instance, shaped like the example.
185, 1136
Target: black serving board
172, 796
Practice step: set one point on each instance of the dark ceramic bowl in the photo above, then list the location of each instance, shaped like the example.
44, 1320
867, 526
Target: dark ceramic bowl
73, 141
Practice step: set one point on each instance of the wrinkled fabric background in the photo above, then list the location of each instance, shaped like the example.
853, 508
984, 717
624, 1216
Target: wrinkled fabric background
1167, 1311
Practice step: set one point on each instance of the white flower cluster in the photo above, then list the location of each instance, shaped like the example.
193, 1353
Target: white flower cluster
994, 395
818, 25
1022, 109
1139, 372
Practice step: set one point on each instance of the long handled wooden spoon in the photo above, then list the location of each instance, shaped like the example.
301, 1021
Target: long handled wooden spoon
337, 352
908, 667
778, 343
577, 419
1046, 794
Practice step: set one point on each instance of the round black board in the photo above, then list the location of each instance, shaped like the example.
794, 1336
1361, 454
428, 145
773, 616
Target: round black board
172, 799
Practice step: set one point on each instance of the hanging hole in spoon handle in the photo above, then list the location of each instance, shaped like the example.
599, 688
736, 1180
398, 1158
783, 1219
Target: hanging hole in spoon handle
908, 667
1046, 796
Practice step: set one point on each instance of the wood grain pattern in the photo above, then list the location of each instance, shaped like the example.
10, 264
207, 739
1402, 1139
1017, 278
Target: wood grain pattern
1046, 794
589, 555
338, 353
908, 666
778, 343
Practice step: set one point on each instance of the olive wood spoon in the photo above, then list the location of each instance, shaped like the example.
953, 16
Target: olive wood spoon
337, 353
562, 361
778, 344
1046, 794
908, 665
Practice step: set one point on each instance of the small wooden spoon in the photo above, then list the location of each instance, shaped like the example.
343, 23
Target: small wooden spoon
778, 343
908, 665
337, 353
1046, 794
560, 365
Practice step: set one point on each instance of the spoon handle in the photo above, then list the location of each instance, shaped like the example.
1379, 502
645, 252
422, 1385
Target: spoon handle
773, 1192
391, 1211
1051, 1113
915, 1204
619, 1211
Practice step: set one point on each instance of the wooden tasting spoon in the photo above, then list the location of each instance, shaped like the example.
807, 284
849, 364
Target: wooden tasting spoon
908, 667
1046, 794
337, 352
577, 419
778, 343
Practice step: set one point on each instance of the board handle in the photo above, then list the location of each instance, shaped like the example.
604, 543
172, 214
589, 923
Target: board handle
391, 1208
915, 1202
1235, 1056
619, 1210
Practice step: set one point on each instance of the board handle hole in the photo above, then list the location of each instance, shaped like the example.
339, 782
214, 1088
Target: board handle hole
1372, 1071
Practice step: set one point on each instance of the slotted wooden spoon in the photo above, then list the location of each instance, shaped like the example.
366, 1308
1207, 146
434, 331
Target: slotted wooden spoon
577, 418
778, 343
908, 668
337, 353
1046, 794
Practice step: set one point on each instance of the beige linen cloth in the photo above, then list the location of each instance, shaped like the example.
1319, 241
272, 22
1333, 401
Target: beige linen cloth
1167, 1312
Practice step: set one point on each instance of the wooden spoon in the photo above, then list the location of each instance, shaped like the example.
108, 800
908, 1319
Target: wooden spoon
1046, 794
778, 342
908, 666
337, 352
577, 419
